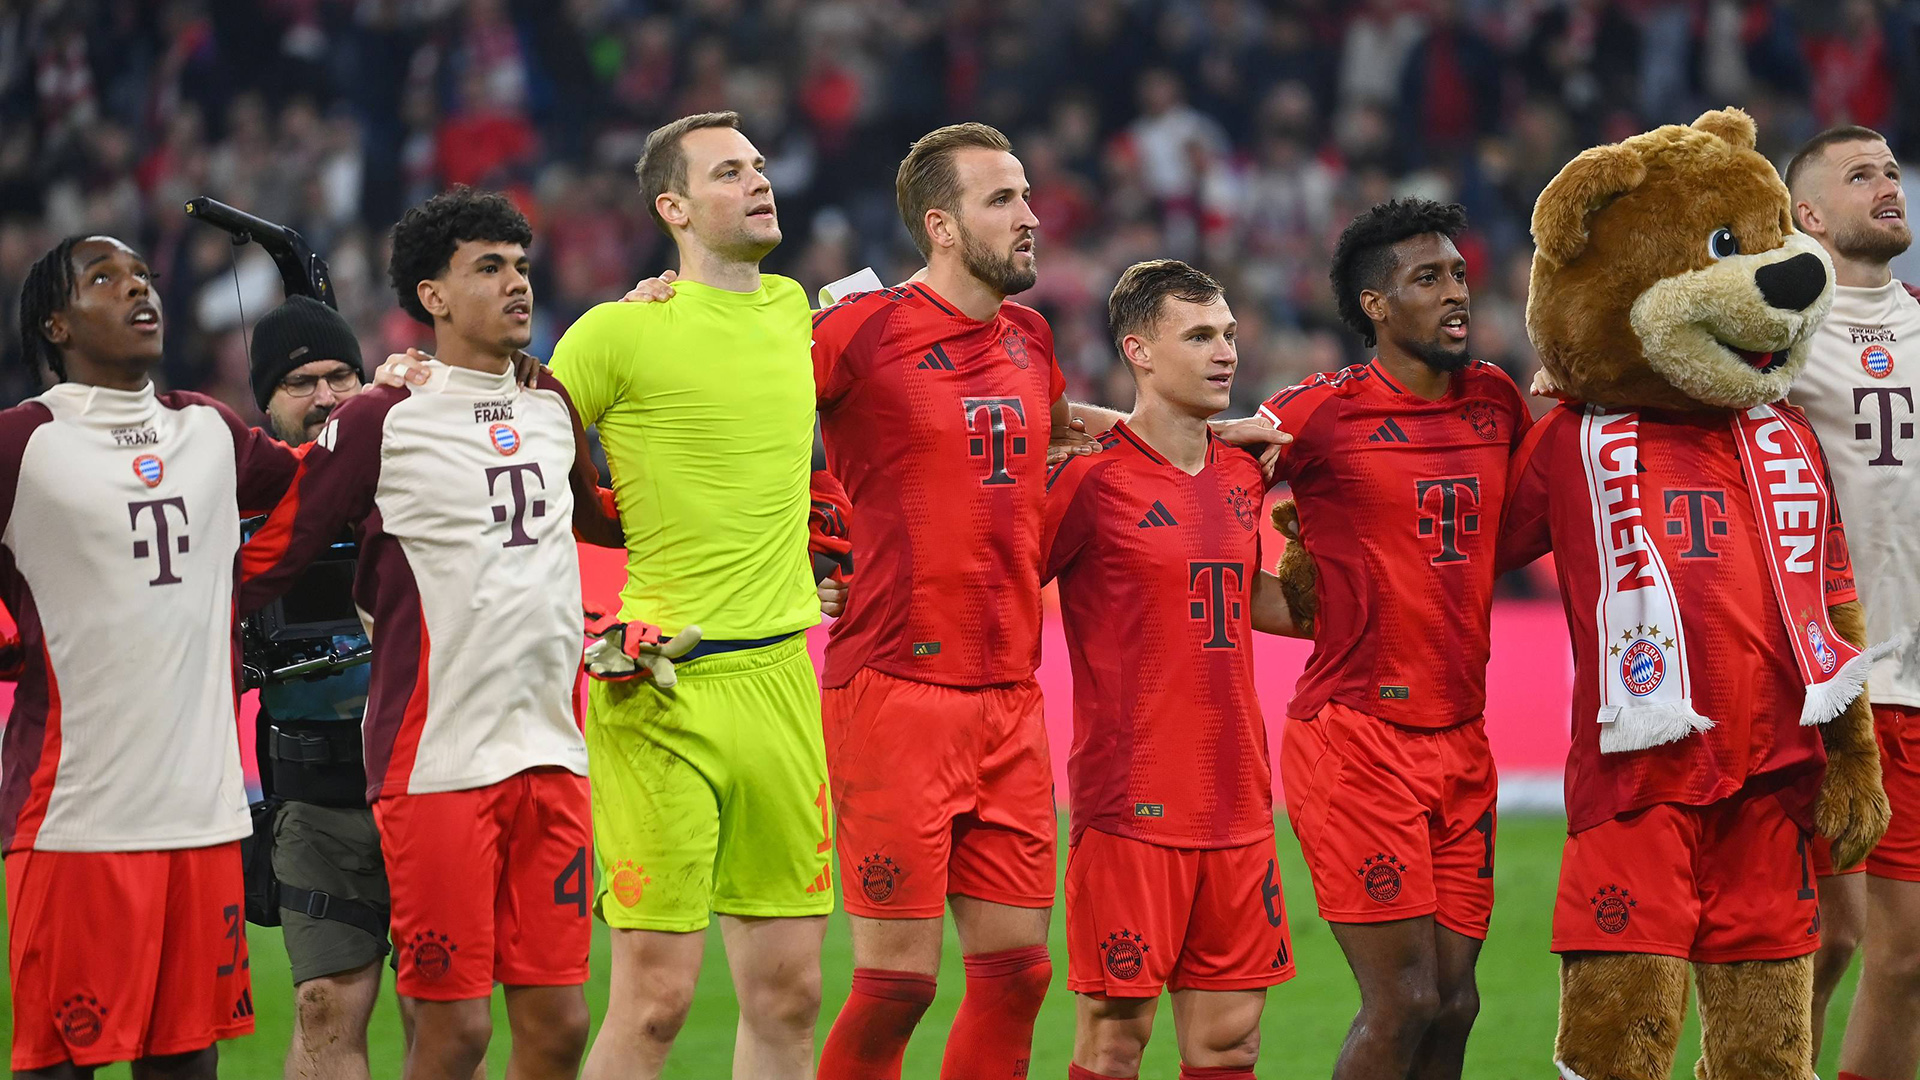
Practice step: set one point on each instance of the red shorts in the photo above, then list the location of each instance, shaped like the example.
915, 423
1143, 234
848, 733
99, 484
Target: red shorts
490, 884
1712, 884
1141, 916
938, 791
1395, 822
118, 955
1897, 728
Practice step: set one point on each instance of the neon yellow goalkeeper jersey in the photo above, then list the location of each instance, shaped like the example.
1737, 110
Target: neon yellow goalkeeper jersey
705, 406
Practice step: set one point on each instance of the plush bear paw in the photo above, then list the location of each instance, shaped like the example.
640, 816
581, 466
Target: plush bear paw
1852, 811
1296, 571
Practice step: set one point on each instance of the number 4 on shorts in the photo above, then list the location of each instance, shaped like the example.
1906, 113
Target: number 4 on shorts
571, 886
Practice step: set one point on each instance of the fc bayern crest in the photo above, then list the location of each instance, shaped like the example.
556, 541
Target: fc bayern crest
149, 469
1877, 361
505, 439
1642, 668
1016, 347
1822, 651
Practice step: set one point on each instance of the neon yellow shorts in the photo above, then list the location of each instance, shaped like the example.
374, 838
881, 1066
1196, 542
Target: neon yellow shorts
711, 796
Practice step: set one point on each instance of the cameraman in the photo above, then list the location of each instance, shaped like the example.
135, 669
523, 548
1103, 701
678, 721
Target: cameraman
326, 852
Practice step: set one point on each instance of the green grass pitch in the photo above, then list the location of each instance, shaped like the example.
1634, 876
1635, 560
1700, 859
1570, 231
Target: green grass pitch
1305, 1019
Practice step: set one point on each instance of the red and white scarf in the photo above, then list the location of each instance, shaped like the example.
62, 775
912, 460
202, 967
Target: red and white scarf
1645, 681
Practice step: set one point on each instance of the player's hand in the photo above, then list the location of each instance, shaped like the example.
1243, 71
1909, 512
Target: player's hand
653, 290
1544, 386
403, 369
620, 652
1255, 435
833, 597
1071, 441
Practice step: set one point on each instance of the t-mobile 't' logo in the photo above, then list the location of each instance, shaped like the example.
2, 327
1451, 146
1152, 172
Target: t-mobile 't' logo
521, 509
165, 543
1888, 427
1456, 516
995, 427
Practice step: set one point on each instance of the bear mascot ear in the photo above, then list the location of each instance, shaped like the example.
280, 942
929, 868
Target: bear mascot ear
1733, 125
1588, 183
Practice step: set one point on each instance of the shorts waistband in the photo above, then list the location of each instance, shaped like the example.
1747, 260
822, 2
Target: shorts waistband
743, 657
723, 645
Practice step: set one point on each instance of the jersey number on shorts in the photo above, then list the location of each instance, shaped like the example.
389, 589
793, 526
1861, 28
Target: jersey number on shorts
235, 928
1485, 828
571, 886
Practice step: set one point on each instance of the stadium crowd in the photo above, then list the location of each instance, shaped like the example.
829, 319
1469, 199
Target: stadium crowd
1236, 134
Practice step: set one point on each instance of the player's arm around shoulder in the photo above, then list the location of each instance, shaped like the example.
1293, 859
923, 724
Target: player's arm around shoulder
332, 488
596, 520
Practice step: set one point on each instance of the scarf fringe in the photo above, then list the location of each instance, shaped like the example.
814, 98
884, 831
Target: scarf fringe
1826, 700
1636, 727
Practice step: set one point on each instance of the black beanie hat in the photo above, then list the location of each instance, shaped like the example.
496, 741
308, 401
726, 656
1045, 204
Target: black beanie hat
298, 332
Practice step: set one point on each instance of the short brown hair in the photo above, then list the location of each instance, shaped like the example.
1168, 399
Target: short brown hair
927, 179
1134, 305
663, 164
1818, 145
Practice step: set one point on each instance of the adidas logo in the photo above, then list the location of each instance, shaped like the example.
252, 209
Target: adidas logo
935, 361
822, 882
1157, 514
1388, 432
244, 1007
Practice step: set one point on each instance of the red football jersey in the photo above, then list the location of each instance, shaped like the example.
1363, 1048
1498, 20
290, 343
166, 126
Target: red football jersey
1400, 501
1156, 573
937, 425
1744, 678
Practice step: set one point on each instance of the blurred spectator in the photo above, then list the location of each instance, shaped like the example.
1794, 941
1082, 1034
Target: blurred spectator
1239, 133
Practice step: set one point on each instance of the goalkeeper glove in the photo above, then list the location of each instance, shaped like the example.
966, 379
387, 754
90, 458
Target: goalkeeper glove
623, 651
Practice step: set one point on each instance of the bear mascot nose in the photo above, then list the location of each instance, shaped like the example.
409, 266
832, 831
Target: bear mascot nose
1792, 284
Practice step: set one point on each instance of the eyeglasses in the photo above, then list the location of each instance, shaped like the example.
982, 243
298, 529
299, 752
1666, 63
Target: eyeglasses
340, 382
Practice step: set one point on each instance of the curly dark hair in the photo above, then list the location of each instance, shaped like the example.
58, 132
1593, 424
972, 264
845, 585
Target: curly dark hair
48, 288
1364, 256
425, 237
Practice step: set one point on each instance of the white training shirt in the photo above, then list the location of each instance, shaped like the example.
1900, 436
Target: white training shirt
121, 514
468, 579
1860, 392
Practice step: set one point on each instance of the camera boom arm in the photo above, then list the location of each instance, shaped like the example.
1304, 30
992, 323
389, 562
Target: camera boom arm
302, 272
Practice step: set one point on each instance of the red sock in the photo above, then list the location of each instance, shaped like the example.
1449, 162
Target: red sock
870, 1035
1075, 1072
992, 1037
1218, 1072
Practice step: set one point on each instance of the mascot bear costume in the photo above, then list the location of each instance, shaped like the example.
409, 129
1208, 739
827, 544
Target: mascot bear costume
1720, 722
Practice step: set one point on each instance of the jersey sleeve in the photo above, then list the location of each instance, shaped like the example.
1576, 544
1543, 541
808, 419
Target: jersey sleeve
263, 465
829, 525
1525, 531
591, 521
1291, 410
333, 488
1068, 522
844, 335
592, 359
1517, 404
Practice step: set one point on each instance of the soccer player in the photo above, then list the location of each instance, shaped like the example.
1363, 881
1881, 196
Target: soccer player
1171, 872
1858, 391
938, 401
711, 797
122, 801
1398, 467
464, 495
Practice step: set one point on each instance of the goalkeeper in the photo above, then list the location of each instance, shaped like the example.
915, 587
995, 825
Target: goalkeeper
709, 795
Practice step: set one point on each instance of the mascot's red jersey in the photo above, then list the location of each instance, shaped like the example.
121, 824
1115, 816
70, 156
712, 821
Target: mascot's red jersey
1700, 519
